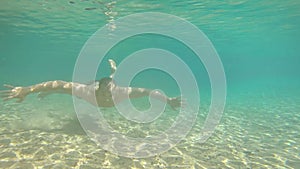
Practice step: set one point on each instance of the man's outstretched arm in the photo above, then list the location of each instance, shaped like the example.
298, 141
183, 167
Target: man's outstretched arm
45, 88
122, 93
83, 91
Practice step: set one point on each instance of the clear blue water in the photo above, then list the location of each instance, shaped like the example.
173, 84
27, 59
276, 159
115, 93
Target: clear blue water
257, 42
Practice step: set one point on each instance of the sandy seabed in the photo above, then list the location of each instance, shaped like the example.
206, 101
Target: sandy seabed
253, 133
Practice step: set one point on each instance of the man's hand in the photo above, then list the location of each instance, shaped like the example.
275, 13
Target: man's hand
14, 92
175, 102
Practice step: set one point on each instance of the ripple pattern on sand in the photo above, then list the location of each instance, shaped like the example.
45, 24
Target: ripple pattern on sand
252, 134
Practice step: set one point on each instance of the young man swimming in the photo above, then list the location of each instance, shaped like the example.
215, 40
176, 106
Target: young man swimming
102, 93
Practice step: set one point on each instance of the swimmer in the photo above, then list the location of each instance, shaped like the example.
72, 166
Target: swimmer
102, 93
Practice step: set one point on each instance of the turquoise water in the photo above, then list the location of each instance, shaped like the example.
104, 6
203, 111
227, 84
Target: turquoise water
257, 42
